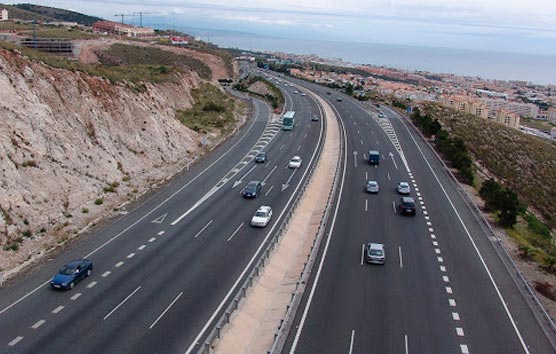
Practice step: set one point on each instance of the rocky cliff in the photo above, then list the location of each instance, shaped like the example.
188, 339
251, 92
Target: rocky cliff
73, 146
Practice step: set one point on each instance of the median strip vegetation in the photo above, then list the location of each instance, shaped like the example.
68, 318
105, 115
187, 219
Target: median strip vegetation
263, 88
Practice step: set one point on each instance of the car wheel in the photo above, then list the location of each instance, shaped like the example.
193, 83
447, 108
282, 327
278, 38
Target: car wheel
88, 272
72, 284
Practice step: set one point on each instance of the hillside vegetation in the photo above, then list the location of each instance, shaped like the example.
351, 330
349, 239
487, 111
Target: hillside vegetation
522, 162
45, 14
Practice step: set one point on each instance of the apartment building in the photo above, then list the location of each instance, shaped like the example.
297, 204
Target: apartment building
523, 109
3, 15
466, 104
121, 29
508, 118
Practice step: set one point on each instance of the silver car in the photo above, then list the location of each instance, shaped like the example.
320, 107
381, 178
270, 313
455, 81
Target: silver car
403, 188
372, 187
375, 253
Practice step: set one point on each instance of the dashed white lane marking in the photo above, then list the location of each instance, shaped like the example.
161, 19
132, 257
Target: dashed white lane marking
203, 229
452, 302
420, 198
58, 309
119, 264
406, 345
435, 243
437, 250
351, 341
131, 255
38, 324
121, 303
425, 212
166, 310
440, 259
160, 233
401, 257
427, 217
449, 290
366, 205
75, 297
431, 229
464, 349
445, 279
459, 331
15, 341
142, 247
267, 193
91, 284
281, 147
362, 253
152, 239
442, 268
299, 148
433, 236
105, 274
455, 316
366, 176
236, 231
421, 202
429, 223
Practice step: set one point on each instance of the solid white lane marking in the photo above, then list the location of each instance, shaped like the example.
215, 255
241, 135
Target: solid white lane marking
131, 255
401, 257
235, 232
351, 341
121, 303
166, 310
464, 349
142, 247
442, 268
449, 290
38, 324
119, 264
58, 309
406, 345
452, 302
203, 229
362, 253
105, 274
366, 205
160, 233
15, 341
152, 239
91, 284
268, 192
74, 297
459, 331
445, 279
455, 316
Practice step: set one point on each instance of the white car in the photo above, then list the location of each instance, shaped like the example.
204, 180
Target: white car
403, 188
262, 216
295, 92
303, 94
295, 162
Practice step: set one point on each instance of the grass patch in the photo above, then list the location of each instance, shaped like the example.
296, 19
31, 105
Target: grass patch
213, 110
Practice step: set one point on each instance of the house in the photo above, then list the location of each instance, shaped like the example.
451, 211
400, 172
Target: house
3, 15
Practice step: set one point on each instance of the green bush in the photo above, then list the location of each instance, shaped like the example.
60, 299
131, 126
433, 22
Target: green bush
99, 201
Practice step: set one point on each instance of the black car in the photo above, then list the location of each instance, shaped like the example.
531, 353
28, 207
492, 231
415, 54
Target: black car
406, 206
72, 273
315, 118
339, 99
261, 157
252, 189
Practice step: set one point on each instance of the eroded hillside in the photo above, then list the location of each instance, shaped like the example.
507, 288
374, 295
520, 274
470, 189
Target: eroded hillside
74, 146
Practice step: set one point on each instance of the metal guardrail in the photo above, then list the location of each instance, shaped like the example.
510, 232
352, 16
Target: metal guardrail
224, 319
481, 218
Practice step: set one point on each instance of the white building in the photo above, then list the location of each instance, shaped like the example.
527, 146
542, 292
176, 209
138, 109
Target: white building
523, 109
4, 15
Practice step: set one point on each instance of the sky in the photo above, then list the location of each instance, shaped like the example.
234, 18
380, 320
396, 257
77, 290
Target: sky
490, 25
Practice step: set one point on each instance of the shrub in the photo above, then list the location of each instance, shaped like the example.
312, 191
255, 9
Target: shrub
85, 210
27, 233
99, 201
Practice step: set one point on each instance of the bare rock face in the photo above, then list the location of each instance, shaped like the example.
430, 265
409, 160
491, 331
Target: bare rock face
68, 139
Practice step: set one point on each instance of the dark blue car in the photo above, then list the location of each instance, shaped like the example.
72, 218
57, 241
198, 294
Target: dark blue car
252, 189
71, 274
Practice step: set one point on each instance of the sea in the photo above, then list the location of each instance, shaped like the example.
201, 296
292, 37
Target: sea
538, 69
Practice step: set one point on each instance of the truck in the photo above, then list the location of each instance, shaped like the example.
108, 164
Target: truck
374, 157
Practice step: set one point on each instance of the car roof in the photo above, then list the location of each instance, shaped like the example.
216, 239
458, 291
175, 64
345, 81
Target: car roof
376, 246
264, 208
253, 183
408, 200
261, 153
403, 183
296, 157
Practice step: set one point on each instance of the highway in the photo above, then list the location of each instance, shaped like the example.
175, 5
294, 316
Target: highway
165, 269
444, 287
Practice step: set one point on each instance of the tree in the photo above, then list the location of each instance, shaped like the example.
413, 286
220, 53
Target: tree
488, 192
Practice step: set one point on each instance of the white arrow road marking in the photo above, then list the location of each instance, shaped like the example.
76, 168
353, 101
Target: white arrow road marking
393, 160
195, 206
287, 184
160, 219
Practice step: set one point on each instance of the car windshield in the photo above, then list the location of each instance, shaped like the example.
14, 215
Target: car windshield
261, 214
375, 252
404, 185
296, 159
67, 270
372, 184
